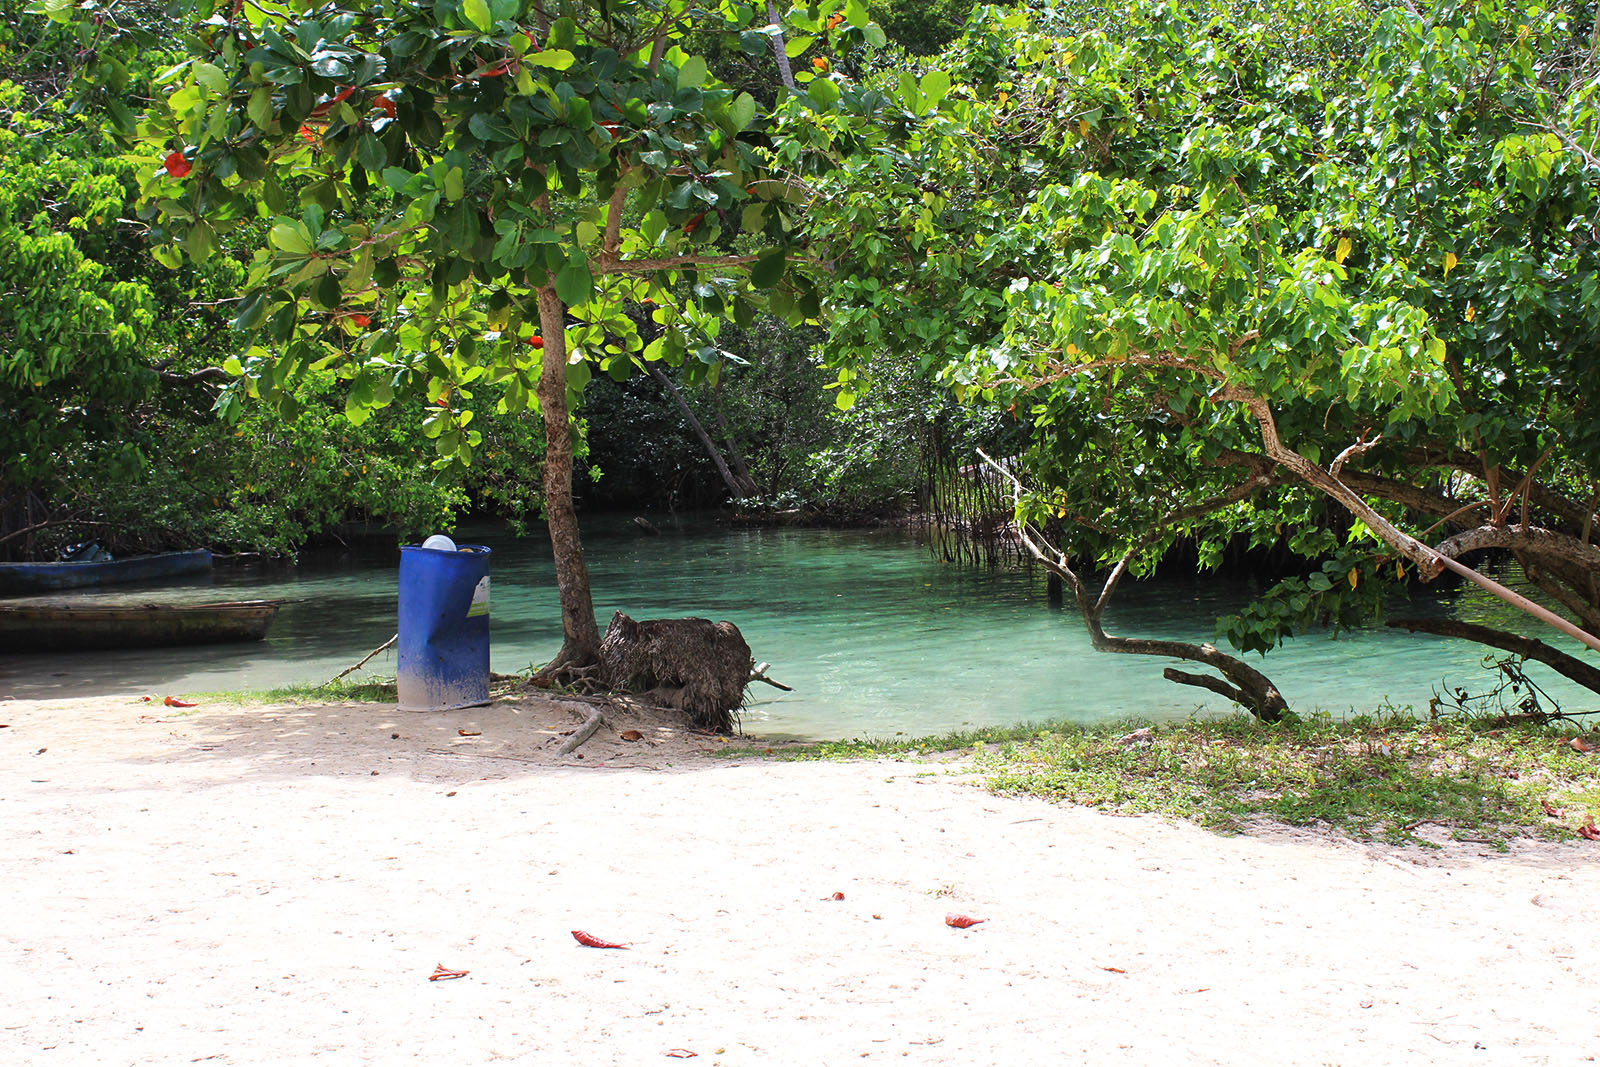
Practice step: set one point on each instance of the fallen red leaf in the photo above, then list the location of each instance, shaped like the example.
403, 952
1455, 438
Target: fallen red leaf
470, 733
441, 973
1114, 970
1580, 745
590, 941
632, 735
1588, 830
961, 922
174, 702
681, 1054
836, 896
1553, 812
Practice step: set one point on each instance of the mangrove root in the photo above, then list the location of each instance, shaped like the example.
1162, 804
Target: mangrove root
694, 665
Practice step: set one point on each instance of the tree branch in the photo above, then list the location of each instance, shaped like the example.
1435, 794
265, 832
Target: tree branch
1569, 666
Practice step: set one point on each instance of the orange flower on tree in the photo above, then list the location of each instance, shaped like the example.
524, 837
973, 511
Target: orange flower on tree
176, 165
536, 341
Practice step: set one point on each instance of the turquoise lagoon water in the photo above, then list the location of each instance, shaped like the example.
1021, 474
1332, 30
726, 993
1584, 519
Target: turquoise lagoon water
876, 638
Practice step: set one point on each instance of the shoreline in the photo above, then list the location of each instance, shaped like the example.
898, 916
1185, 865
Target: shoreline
271, 884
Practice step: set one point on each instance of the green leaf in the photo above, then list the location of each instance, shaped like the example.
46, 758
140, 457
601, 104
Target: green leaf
554, 58
768, 270
260, 108
291, 237
742, 111
935, 84
797, 45
370, 152
212, 78
692, 74
574, 283
477, 12
823, 92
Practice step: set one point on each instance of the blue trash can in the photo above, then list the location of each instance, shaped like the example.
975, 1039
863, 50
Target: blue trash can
442, 659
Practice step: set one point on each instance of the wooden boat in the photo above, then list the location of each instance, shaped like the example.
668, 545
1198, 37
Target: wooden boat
65, 626
23, 578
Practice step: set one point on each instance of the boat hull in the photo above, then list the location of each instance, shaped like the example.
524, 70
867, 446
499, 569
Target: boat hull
36, 627
23, 578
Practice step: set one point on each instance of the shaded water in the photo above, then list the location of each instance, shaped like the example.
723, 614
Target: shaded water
876, 637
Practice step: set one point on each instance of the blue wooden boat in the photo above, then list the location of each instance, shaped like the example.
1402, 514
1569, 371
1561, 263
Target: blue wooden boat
83, 625
23, 578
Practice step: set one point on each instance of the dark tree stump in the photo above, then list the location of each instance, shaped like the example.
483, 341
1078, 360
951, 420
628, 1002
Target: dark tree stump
694, 665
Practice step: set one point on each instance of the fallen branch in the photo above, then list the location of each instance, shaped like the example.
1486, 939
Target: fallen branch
759, 674
583, 733
351, 670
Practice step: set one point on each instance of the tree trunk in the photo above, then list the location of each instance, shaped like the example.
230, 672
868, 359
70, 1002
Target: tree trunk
1569, 666
581, 637
778, 50
733, 483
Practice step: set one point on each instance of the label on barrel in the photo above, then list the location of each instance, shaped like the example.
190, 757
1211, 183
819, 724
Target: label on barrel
480, 598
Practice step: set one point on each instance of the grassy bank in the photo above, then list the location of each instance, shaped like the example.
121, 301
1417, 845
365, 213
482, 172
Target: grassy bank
1379, 776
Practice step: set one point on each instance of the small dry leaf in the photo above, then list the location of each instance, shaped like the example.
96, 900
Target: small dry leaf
470, 733
961, 922
836, 896
1580, 745
632, 735
1114, 970
681, 1054
174, 702
1587, 830
1551, 810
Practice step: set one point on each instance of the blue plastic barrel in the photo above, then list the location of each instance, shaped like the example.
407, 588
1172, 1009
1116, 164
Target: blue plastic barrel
442, 660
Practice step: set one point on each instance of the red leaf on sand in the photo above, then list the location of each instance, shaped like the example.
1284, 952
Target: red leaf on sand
174, 702
1553, 812
1588, 830
681, 1054
835, 896
1580, 745
1114, 970
961, 922
591, 941
441, 973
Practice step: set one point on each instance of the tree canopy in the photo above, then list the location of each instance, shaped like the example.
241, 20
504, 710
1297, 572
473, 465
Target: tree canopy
436, 197
1323, 272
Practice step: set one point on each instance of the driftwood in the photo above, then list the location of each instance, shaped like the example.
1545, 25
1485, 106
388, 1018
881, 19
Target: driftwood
362, 662
582, 733
758, 673
693, 665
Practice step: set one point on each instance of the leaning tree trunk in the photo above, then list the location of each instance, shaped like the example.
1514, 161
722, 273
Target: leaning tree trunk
581, 637
1240, 682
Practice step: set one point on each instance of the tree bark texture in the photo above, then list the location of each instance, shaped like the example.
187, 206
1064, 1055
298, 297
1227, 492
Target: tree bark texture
581, 636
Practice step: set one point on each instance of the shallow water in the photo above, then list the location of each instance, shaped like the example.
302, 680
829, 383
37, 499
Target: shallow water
876, 637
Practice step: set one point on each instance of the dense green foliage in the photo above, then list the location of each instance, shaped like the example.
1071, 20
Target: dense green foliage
109, 362
1310, 271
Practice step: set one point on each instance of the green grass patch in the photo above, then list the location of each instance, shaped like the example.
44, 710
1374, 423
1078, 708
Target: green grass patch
340, 692
1379, 776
